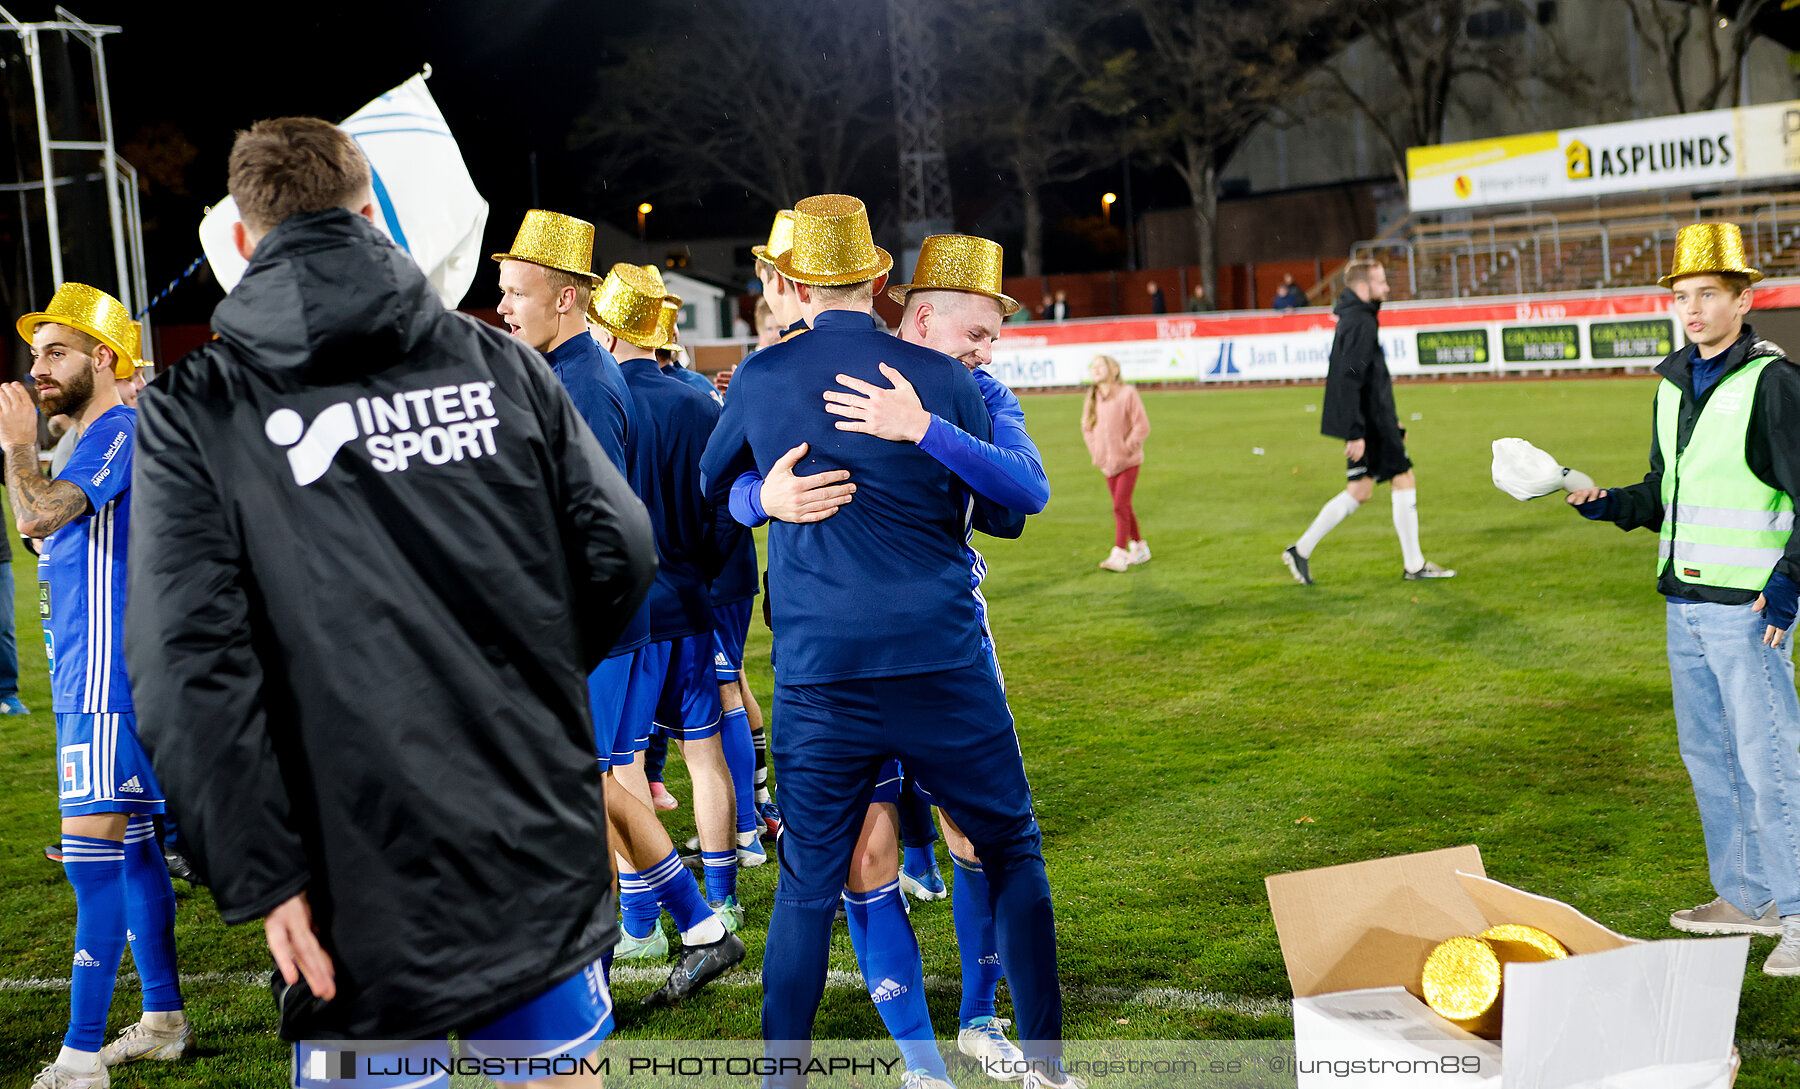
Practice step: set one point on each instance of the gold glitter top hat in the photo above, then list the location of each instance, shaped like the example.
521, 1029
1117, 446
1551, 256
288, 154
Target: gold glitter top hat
629, 305
832, 244
1463, 976
554, 240
781, 237
958, 262
665, 321
95, 313
1709, 247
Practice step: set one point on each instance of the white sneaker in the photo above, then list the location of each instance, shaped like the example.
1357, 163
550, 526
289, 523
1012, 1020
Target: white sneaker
1785, 960
140, 1041
56, 1076
1140, 551
919, 1079
1117, 560
1038, 1080
987, 1044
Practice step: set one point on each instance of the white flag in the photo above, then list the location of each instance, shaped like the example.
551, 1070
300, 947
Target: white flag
425, 199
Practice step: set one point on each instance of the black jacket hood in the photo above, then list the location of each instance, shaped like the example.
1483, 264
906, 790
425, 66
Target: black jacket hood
1349, 301
319, 300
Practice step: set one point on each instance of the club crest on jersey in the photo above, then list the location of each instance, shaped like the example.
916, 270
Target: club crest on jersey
437, 424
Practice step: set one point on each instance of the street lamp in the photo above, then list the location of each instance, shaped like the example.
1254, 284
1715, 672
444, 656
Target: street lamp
1106, 202
643, 210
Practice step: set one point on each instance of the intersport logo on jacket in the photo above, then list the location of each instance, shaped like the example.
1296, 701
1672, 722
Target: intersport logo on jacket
438, 424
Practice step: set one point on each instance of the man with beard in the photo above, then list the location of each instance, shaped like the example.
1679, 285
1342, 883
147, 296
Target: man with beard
109, 794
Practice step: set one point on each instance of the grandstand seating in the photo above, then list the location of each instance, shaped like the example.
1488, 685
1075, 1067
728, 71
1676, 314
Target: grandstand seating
1569, 247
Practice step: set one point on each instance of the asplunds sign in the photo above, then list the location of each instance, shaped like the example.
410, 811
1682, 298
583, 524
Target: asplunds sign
1715, 147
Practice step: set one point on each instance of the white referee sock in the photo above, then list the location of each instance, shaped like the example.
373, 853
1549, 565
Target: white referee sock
1335, 510
1406, 524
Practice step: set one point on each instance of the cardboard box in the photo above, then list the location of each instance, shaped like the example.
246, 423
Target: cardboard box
1619, 1012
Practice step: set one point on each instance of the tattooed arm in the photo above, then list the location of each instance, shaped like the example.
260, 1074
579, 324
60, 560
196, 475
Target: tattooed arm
42, 506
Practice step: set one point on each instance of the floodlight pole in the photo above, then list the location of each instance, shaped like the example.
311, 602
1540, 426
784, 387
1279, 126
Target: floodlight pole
123, 214
925, 206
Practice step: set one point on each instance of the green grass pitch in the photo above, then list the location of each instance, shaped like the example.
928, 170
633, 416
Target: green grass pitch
1189, 726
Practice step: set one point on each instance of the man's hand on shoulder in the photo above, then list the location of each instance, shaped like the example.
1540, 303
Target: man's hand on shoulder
894, 414
790, 498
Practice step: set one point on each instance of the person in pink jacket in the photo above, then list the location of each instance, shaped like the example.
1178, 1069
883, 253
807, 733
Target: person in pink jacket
1114, 424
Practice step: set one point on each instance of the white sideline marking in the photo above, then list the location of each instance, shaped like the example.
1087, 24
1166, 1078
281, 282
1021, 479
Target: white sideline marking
1166, 998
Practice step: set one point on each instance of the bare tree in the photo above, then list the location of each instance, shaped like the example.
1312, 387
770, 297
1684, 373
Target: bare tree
1204, 74
783, 98
1669, 28
1015, 96
1435, 60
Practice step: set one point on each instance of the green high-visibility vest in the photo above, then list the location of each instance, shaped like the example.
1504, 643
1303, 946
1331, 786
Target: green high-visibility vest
1722, 526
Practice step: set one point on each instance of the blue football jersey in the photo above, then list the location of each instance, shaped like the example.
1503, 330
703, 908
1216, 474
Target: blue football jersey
81, 574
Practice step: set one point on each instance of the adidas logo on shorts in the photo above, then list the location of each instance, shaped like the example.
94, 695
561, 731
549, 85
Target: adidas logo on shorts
888, 989
132, 786
84, 959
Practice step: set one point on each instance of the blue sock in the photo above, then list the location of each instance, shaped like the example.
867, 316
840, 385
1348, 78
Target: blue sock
740, 759
888, 954
917, 828
655, 757
676, 892
96, 867
721, 873
920, 860
637, 903
794, 982
1025, 931
150, 917
973, 909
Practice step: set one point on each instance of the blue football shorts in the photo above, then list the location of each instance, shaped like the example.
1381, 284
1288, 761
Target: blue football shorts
540, 1037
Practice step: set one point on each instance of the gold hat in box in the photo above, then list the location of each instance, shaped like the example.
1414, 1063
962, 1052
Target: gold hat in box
629, 305
1709, 247
1462, 977
832, 244
958, 262
781, 237
94, 312
554, 240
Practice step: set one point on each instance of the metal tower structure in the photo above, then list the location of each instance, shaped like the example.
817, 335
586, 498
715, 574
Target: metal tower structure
70, 162
919, 122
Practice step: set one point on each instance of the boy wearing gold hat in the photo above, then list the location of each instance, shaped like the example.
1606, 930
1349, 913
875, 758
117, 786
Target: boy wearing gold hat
1723, 484
880, 644
109, 793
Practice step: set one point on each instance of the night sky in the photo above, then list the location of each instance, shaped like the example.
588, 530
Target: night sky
510, 77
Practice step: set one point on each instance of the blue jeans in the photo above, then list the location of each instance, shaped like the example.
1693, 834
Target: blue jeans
1738, 722
9, 647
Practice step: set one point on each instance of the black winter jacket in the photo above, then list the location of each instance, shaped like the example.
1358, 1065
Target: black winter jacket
1359, 395
375, 553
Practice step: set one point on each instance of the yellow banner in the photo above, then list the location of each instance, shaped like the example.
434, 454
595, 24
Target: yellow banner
1436, 160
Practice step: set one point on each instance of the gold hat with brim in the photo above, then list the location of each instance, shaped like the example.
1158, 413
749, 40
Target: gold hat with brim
667, 320
629, 305
554, 240
781, 237
94, 312
958, 262
832, 244
1709, 247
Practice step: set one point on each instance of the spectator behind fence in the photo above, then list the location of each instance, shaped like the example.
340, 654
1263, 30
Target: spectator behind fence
1198, 302
1289, 296
1158, 304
